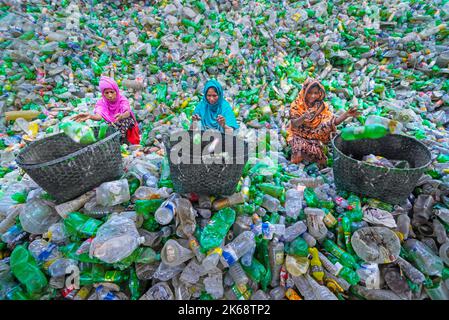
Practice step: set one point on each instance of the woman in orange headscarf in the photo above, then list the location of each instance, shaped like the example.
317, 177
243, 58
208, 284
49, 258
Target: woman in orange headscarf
312, 123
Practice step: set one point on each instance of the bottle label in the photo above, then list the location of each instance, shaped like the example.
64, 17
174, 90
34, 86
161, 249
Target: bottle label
170, 205
217, 250
266, 230
279, 258
230, 256
193, 244
329, 220
46, 253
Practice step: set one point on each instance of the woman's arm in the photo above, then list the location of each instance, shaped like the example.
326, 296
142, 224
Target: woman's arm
350, 113
122, 116
95, 117
86, 116
297, 121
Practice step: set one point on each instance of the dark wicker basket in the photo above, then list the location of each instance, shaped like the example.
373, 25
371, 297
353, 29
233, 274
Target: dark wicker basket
66, 169
205, 178
390, 185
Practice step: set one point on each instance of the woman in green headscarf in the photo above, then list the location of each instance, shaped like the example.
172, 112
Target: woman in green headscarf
214, 111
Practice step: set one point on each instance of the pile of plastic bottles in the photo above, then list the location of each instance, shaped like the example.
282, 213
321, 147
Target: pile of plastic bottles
286, 233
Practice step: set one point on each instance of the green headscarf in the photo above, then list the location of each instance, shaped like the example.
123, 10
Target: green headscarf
209, 112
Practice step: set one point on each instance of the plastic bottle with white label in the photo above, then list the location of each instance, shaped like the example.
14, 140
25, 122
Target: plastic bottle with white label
166, 212
233, 251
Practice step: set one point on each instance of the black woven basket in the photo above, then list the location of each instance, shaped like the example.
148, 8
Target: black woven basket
197, 174
390, 185
66, 169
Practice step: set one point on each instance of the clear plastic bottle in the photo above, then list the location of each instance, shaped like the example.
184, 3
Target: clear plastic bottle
37, 217
160, 291
270, 203
321, 292
57, 234
439, 232
375, 294
233, 251
10, 218
423, 257
113, 193
185, 216
44, 252
422, 209
293, 202
173, 254
260, 295
238, 274
304, 287
410, 271
444, 253
247, 258
403, 225
277, 293
166, 212
294, 231
276, 254
192, 273
214, 285
268, 230
315, 223
115, 240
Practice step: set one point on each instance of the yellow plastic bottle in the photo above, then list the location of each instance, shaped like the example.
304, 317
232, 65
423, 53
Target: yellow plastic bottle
317, 266
25, 114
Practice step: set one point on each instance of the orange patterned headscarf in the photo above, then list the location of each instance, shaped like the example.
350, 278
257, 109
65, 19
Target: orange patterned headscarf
299, 107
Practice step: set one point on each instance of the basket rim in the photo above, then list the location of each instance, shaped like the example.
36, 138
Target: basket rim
64, 158
399, 170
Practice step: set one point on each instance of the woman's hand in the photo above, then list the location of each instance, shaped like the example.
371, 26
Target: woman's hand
119, 117
81, 117
221, 121
352, 112
196, 117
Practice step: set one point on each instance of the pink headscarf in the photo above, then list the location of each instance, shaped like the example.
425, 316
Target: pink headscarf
108, 109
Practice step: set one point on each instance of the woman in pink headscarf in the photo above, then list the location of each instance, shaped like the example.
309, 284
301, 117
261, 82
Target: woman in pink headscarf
114, 109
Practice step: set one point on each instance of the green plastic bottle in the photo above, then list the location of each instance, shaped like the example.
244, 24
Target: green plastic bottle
80, 133
345, 258
272, 189
346, 224
443, 158
262, 250
356, 214
102, 131
134, 284
148, 256
81, 225
256, 271
346, 273
371, 131
298, 247
25, 269
217, 228
311, 198
97, 275
147, 207
17, 293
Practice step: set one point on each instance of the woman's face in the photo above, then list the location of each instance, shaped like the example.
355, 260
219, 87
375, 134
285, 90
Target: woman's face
313, 95
212, 96
110, 94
